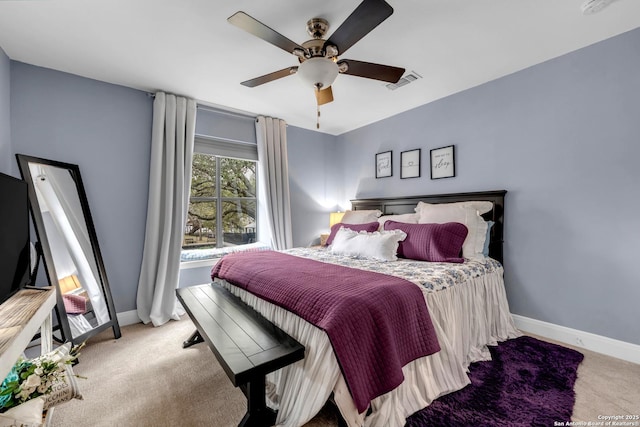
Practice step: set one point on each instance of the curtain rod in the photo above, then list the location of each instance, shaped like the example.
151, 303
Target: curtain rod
217, 110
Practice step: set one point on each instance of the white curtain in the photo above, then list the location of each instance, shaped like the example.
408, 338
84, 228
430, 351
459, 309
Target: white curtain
271, 135
172, 135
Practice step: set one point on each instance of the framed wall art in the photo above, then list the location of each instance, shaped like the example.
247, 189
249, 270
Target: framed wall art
443, 162
410, 164
383, 165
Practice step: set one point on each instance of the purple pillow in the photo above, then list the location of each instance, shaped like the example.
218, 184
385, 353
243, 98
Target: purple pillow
431, 242
369, 227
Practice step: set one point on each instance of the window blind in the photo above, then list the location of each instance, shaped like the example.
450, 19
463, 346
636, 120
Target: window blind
225, 148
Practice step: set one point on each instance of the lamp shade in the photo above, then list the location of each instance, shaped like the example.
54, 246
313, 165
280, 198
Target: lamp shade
68, 284
334, 218
318, 72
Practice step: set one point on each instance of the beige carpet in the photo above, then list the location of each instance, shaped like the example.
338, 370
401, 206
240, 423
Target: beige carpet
146, 378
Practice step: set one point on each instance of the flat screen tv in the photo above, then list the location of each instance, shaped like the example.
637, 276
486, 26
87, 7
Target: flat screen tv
15, 254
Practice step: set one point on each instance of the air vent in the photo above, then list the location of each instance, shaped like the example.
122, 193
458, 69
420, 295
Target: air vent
412, 76
594, 6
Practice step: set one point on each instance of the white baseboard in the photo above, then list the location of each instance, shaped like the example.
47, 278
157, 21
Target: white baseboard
598, 343
128, 318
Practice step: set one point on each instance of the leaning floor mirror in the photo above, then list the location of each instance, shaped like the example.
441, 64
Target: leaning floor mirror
72, 259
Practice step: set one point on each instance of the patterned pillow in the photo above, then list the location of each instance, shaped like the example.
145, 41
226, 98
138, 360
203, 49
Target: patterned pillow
65, 389
431, 242
74, 304
368, 227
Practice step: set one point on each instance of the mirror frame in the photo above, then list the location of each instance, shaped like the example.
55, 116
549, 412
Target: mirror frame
74, 170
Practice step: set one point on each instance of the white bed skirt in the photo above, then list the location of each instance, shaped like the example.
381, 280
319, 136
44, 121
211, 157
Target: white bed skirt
466, 318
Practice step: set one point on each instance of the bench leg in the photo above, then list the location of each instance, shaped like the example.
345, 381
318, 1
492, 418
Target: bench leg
258, 414
194, 339
341, 420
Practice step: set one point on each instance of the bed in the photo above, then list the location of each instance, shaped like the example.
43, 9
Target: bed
466, 302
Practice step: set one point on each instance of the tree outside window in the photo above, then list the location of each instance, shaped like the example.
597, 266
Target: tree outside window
222, 204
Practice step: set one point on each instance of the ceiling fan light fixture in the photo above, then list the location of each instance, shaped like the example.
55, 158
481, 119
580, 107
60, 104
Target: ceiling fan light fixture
318, 72
330, 51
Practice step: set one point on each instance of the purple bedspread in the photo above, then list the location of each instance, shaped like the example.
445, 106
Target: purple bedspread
376, 323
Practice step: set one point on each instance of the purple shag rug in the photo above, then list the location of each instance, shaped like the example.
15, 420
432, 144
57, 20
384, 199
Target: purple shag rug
528, 383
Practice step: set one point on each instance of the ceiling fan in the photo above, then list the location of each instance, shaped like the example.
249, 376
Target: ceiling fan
318, 57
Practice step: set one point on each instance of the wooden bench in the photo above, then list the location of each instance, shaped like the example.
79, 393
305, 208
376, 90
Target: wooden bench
247, 345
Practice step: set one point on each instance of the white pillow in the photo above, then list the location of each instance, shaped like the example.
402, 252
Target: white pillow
360, 217
27, 414
481, 206
410, 218
380, 245
452, 212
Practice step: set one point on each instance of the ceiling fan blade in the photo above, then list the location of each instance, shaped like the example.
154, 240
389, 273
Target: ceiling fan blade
258, 29
270, 77
368, 15
324, 96
369, 70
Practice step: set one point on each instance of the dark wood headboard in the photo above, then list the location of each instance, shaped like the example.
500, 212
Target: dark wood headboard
402, 205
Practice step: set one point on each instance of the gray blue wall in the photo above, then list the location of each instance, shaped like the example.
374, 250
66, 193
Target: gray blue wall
563, 138
106, 130
6, 160
315, 179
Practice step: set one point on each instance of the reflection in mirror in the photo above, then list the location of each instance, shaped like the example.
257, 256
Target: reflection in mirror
70, 248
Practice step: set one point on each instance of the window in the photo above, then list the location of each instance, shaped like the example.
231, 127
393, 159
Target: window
222, 204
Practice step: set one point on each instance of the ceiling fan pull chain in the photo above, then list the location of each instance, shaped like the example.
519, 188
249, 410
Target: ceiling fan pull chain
318, 119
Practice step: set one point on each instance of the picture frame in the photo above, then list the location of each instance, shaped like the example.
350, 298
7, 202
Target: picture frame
443, 162
384, 164
410, 164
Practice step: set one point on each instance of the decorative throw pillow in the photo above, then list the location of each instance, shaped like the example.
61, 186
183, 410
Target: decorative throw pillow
370, 226
430, 242
410, 218
360, 216
66, 387
52, 372
75, 304
487, 240
481, 206
63, 390
380, 245
27, 414
453, 212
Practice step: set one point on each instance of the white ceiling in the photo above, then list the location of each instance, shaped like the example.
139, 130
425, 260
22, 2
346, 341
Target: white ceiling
188, 48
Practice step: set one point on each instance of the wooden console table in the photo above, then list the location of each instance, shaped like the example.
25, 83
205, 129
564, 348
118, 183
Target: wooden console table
20, 318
